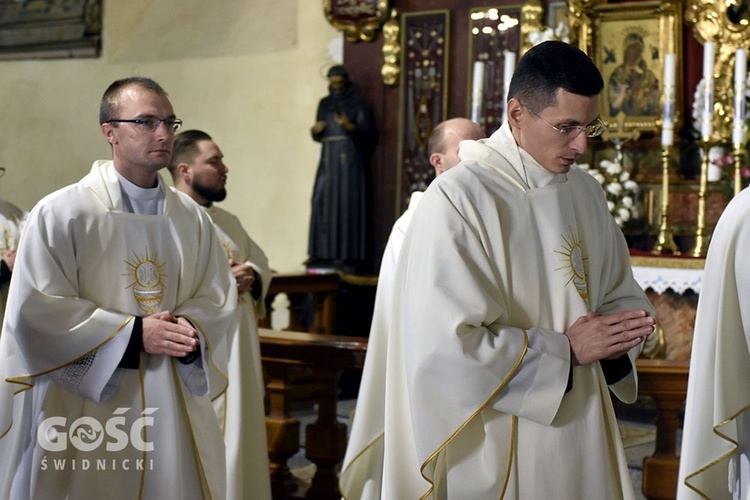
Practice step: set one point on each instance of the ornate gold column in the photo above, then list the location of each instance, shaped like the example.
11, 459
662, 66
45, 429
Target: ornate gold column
701, 234
721, 22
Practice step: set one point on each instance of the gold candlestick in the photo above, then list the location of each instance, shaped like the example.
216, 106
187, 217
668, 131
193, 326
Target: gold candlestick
701, 238
666, 239
739, 154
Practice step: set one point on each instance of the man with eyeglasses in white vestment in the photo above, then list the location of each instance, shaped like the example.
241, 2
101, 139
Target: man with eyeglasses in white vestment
515, 313
121, 292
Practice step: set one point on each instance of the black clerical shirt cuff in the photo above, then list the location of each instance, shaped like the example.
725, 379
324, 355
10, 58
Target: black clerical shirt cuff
131, 359
192, 356
616, 369
5, 272
257, 288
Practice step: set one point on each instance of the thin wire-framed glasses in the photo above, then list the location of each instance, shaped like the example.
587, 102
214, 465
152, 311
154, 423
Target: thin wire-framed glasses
151, 124
594, 129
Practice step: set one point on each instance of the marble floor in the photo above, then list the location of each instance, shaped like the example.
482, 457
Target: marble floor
636, 428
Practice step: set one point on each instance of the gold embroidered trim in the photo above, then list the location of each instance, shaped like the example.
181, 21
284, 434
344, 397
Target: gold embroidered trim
209, 348
514, 432
198, 459
224, 416
357, 457
18, 380
473, 416
145, 429
721, 457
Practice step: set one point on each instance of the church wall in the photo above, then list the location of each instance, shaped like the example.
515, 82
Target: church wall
248, 73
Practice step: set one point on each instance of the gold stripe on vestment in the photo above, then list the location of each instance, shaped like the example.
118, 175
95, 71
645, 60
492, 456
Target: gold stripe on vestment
473, 416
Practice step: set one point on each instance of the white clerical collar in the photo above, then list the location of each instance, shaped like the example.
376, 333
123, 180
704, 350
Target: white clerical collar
535, 175
138, 200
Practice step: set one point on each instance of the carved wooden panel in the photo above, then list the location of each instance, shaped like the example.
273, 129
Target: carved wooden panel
423, 96
495, 34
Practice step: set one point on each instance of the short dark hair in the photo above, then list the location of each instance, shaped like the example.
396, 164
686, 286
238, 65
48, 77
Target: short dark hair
111, 98
185, 148
550, 66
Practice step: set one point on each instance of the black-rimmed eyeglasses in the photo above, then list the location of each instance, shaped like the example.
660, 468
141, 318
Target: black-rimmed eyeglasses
151, 124
594, 129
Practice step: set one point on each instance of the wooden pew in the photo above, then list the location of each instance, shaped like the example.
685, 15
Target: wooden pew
325, 440
666, 382
318, 291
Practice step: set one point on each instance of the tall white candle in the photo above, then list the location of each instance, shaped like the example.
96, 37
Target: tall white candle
477, 91
509, 66
740, 75
709, 53
667, 129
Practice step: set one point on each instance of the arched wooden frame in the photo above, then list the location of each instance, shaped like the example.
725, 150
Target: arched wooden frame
357, 19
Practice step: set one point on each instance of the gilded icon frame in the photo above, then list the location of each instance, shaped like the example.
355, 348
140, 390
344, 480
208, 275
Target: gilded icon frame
632, 96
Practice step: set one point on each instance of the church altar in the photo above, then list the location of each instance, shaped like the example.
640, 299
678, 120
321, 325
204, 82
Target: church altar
673, 285
660, 274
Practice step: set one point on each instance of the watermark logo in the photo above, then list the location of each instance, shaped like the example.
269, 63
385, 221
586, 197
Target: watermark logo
88, 434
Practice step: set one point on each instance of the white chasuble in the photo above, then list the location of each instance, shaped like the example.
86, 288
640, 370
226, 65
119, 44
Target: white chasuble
368, 424
241, 409
490, 275
85, 269
716, 437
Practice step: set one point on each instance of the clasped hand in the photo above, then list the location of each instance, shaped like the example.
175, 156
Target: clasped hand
164, 333
10, 259
608, 336
243, 275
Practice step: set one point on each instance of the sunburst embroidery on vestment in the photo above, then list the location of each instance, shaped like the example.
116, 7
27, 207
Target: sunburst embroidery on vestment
148, 281
227, 246
572, 259
7, 239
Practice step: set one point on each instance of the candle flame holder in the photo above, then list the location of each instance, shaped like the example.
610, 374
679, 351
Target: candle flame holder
701, 238
665, 241
738, 153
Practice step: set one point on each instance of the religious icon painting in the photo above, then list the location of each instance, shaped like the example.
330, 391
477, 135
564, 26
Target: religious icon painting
629, 44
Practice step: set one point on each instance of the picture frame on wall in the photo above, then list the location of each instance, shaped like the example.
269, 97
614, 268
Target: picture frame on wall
628, 45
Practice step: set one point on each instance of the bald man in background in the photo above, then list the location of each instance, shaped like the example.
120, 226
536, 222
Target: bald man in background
442, 147
368, 423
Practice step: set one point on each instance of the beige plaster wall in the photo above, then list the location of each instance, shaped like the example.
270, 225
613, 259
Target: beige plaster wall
247, 72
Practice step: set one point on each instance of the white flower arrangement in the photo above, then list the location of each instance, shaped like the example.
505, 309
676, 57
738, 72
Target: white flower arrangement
547, 33
621, 191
